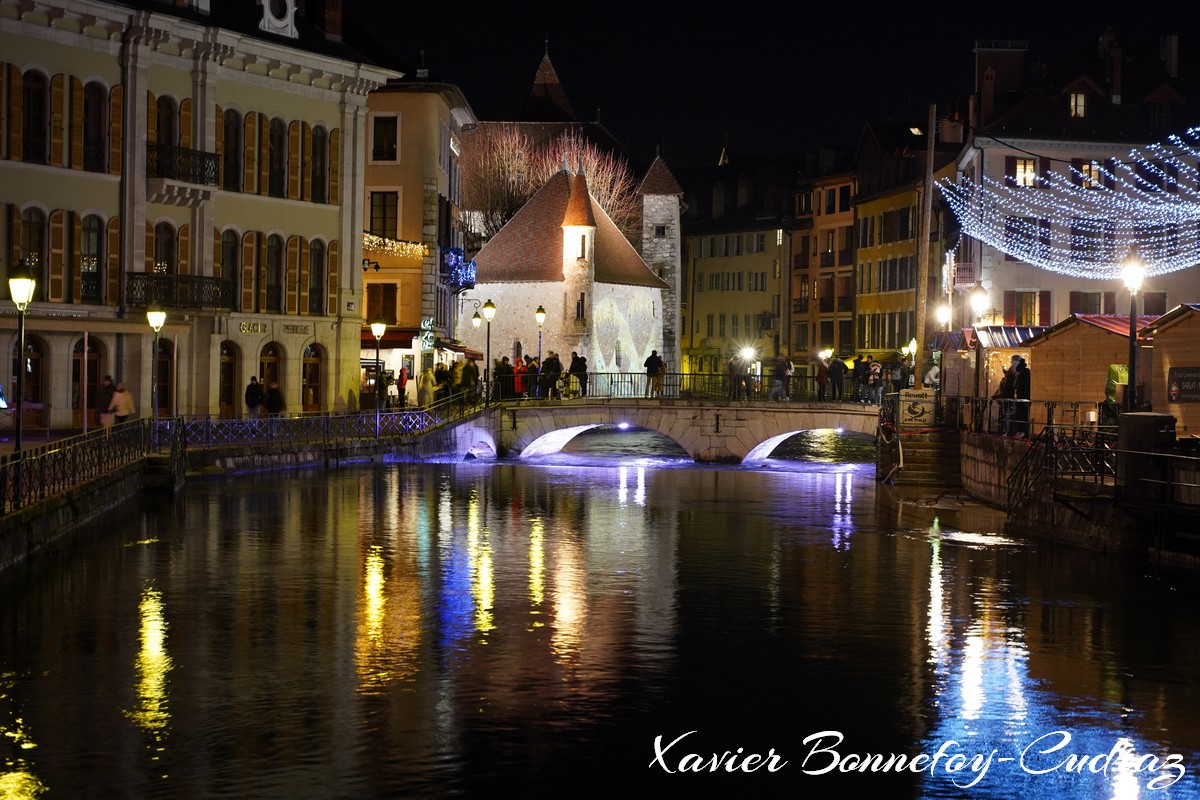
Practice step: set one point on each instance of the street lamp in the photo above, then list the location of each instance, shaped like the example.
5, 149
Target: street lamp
156, 317
489, 311
20, 288
943, 315
378, 327
1133, 272
540, 316
979, 300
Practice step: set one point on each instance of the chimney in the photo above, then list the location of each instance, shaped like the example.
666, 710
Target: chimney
987, 97
327, 15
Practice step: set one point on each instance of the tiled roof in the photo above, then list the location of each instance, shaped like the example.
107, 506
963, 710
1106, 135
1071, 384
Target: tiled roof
659, 180
530, 246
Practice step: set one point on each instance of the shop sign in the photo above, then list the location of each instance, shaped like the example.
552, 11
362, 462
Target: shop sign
1183, 385
916, 408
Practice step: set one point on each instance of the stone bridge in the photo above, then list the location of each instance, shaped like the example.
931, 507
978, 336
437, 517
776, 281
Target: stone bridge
708, 430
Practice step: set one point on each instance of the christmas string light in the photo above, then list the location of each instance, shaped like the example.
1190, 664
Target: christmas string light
1086, 222
394, 247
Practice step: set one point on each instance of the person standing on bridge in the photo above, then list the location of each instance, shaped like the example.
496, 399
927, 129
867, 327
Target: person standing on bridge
104, 401
122, 404
254, 398
837, 377
654, 369
822, 378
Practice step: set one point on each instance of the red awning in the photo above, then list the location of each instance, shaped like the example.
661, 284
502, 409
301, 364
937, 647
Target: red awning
393, 337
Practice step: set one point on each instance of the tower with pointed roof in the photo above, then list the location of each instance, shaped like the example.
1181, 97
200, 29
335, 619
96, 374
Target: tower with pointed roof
563, 253
661, 209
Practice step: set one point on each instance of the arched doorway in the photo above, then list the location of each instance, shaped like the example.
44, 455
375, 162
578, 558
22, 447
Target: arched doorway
270, 368
164, 378
310, 383
85, 375
227, 384
33, 416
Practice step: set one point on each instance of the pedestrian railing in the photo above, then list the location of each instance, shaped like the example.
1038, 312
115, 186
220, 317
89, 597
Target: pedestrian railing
37, 473
1086, 452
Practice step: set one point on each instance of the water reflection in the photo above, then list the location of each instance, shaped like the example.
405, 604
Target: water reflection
450, 630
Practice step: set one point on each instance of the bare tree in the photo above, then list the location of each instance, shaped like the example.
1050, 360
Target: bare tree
502, 169
496, 179
609, 178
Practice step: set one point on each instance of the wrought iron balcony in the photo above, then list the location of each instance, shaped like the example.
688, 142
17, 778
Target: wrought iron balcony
179, 291
181, 164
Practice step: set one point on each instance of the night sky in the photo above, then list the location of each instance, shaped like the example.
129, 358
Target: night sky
771, 83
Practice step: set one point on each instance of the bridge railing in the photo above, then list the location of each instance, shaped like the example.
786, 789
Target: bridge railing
676, 385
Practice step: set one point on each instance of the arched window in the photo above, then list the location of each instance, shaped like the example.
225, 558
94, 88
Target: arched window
274, 273
277, 165
320, 165
232, 167
316, 278
269, 367
95, 127
91, 256
310, 389
230, 267
35, 122
164, 249
33, 246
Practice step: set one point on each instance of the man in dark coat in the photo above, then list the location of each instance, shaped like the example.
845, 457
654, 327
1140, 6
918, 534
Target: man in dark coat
837, 377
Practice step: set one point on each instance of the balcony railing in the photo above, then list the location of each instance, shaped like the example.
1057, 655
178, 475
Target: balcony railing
181, 164
179, 291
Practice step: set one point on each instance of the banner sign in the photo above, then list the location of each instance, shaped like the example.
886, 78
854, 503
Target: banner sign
1183, 385
916, 409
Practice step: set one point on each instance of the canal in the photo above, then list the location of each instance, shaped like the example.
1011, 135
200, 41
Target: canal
612, 619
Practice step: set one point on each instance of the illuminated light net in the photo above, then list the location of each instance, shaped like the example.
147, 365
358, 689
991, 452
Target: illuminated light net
1146, 204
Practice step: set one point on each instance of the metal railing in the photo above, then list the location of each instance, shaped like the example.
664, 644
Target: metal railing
38, 473
1086, 452
181, 163
179, 291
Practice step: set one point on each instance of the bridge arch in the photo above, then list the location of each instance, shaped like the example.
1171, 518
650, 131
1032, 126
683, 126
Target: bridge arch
707, 431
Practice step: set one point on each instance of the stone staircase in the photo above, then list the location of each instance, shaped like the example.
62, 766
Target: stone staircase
931, 457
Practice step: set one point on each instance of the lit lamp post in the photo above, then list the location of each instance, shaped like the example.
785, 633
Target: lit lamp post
378, 327
979, 300
1133, 272
943, 316
20, 287
157, 318
540, 316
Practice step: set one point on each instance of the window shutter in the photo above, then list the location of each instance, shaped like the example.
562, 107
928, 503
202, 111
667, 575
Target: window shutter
1010, 170
149, 259
114, 261
264, 157
262, 273
306, 163
185, 250
185, 123
293, 160
151, 118
302, 276
1010, 308
76, 123
248, 270
75, 262
291, 275
218, 266
12, 90
58, 253
331, 259
1076, 300
373, 292
58, 116
1110, 302
116, 110
14, 237
220, 131
250, 159
335, 167
1045, 314
389, 303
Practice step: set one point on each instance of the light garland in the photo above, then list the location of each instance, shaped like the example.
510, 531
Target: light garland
393, 247
1147, 203
462, 273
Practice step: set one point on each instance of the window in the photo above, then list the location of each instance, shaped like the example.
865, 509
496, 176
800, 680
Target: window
1026, 308
830, 201
35, 123
383, 137
760, 242
33, 241
274, 273
231, 248
734, 326
165, 121
320, 165
1026, 172
95, 127
316, 278
1085, 173
580, 306
90, 256
660, 231
1078, 105
164, 249
383, 213
844, 198
381, 301
277, 163
710, 326
232, 145
721, 326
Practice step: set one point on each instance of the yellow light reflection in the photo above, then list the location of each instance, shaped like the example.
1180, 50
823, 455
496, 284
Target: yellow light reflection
936, 632
374, 600
16, 775
479, 556
152, 665
537, 565
570, 604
